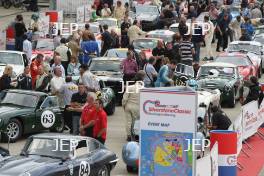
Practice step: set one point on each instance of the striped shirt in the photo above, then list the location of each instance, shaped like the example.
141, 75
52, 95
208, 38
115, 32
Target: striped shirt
186, 50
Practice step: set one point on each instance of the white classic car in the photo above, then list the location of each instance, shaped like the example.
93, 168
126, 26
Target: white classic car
18, 61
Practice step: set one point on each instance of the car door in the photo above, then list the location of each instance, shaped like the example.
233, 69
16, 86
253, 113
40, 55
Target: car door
48, 114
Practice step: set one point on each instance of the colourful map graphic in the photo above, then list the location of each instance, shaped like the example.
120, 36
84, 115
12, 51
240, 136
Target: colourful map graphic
162, 154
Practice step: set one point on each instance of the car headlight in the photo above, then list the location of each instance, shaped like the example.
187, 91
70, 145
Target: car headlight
227, 88
25, 174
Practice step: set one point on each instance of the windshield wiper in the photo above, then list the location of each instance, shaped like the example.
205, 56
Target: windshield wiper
53, 157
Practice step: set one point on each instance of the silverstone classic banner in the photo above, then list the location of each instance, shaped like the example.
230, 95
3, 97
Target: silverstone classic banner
167, 120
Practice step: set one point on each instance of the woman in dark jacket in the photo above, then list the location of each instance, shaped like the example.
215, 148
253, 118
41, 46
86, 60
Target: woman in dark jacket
5, 80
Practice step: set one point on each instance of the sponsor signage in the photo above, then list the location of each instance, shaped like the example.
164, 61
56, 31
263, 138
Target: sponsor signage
167, 123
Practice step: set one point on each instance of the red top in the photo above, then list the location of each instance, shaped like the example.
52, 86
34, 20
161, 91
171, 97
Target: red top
34, 71
101, 123
88, 114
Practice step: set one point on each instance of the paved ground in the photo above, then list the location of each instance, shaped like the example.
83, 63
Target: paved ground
116, 124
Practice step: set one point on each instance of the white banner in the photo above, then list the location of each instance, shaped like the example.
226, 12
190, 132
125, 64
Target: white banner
60, 16
261, 114
168, 125
202, 166
3, 40
87, 13
237, 126
250, 119
214, 160
44, 25
70, 6
80, 15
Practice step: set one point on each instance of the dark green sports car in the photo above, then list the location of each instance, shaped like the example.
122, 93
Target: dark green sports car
228, 81
23, 112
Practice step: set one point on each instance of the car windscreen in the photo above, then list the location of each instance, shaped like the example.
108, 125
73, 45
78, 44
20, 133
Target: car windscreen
245, 47
147, 9
20, 99
259, 39
164, 37
49, 147
107, 22
223, 71
236, 60
145, 44
105, 65
11, 58
45, 45
116, 53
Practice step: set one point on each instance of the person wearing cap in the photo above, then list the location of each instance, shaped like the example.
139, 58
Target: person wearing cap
254, 94
130, 101
34, 67
66, 91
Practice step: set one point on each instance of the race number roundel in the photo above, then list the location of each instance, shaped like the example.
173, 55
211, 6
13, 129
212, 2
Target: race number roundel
47, 119
84, 169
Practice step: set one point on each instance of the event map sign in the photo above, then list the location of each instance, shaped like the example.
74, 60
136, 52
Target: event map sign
167, 122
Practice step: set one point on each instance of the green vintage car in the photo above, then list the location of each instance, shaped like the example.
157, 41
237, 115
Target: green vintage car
23, 112
228, 81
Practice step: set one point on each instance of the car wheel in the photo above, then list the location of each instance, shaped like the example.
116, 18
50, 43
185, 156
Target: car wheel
104, 171
59, 128
131, 169
110, 108
13, 131
232, 102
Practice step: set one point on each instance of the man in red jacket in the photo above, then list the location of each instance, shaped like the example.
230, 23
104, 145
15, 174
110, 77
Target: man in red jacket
100, 127
34, 68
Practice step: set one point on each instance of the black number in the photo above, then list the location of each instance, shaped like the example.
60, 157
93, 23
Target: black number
84, 169
48, 118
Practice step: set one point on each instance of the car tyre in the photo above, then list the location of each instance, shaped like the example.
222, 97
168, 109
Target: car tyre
59, 128
13, 131
104, 171
110, 108
131, 169
232, 102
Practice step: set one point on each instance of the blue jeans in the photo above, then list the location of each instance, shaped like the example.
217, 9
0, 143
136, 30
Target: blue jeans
197, 47
75, 124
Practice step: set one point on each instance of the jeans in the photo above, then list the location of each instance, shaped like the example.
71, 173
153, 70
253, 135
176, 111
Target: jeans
197, 47
19, 43
76, 124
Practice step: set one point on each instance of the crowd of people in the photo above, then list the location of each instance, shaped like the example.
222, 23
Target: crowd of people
67, 74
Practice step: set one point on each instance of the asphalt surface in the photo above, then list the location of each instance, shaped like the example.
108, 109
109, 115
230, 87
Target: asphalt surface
116, 136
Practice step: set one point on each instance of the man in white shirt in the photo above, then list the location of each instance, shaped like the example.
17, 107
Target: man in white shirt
134, 32
88, 79
57, 63
56, 83
27, 47
151, 73
62, 50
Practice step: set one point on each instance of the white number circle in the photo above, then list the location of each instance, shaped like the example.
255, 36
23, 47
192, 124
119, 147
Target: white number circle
47, 119
84, 169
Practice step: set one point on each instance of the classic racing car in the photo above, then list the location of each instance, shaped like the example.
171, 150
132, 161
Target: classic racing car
44, 46
250, 47
120, 53
246, 66
24, 112
228, 81
52, 154
165, 35
18, 60
146, 45
108, 70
